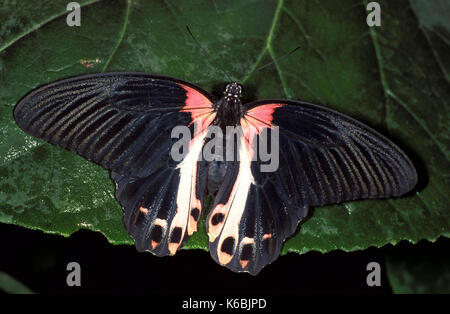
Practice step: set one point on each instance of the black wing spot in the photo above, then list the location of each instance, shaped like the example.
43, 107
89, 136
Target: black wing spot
156, 234
217, 218
195, 213
228, 246
175, 236
247, 252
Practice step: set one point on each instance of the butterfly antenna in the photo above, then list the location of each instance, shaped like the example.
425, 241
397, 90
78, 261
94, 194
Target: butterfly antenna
270, 63
207, 55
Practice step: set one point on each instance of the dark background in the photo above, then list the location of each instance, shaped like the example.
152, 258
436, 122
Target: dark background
39, 261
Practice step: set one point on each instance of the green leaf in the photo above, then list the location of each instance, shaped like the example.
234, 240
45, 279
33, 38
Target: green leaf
10, 285
393, 77
421, 269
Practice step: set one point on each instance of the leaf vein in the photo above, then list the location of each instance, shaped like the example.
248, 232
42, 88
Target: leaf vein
39, 25
121, 35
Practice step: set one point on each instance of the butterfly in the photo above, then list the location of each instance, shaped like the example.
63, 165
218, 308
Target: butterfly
123, 121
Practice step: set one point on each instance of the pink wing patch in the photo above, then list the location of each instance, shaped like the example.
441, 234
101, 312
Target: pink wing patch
224, 219
189, 207
199, 106
255, 121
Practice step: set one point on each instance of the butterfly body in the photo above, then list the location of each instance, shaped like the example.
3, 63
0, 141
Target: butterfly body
124, 122
229, 108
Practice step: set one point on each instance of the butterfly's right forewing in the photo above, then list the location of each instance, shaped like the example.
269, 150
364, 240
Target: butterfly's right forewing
124, 122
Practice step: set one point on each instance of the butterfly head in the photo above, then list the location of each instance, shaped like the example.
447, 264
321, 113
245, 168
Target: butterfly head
229, 108
233, 90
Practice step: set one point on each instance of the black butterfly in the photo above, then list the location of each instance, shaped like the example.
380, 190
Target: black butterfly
123, 122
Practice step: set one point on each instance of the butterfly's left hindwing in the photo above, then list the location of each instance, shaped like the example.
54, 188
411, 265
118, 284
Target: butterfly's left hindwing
124, 121
324, 157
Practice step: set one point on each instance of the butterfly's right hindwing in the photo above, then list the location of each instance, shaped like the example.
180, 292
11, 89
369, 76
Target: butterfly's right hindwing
124, 122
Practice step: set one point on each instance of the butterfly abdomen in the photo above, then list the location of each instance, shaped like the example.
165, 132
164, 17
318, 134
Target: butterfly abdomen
216, 173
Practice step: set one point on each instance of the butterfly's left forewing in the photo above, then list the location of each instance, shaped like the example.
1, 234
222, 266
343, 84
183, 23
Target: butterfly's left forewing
124, 122
324, 157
